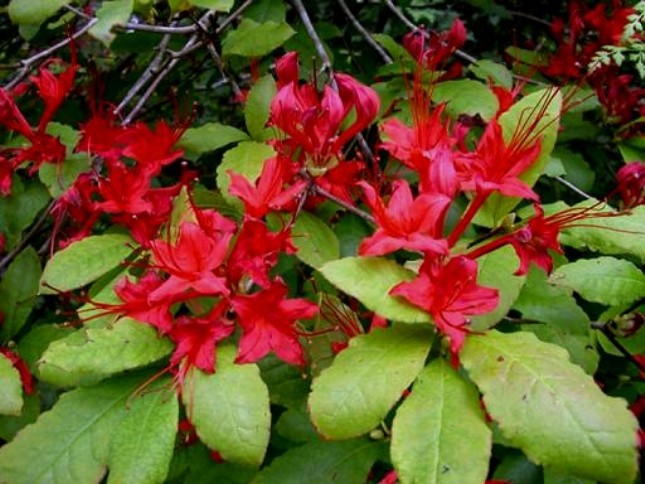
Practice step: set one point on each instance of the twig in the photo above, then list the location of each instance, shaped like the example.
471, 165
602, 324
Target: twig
366, 35
528, 16
573, 187
30, 62
350, 208
603, 328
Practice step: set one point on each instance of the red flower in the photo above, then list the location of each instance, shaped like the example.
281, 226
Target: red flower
449, 292
433, 49
100, 135
124, 190
6, 176
11, 117
631, 184
269, 192
406, 223
268, 324
152, 149
54, 89
191, 262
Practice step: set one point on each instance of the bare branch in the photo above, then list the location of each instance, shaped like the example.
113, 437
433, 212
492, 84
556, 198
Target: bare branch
366, 35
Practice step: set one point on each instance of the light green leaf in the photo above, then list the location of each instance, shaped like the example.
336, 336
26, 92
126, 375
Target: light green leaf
230, 409
631, 152
485, 69
247, 159
58, 178
398, 53
497, 270
550, 408
370, 279
10, 425
209, 137
18, 289
610, 235
70, 442
84, 261
263, 10
438, 428
90, 355
110, 14
33, 12
465, 96
217, 5
143, 443
20, 208
10, 388
258, 105
346, 462
252, 39
543, 109
366, 379
316, 242
605, 280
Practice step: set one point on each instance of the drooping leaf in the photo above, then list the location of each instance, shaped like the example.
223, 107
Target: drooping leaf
84, 261
110, 14
564, 322
143, 442
354, 394
90, 355
439, 428
247, 159
18, 289
70, 442
550, 408
209, 137
465, 96
605, 280
33, 12
370, 279
543, 109
497, 270
252, 39
316, 242
10, 388
323, 462
230, 408
257, 106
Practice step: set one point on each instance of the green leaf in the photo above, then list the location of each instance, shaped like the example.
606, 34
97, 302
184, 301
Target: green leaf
356, 392
630, 152
346, 462
438, 428
610, 235
209, 137
316, 242
247, 159
143, 443
70, 442
286, 385
252, 39
84, 261
33, 12
577, 170
263, 10
550, 408
542, 108
34, 343
58, 178
90, 355
258, 105
398, 53
217, 5
605, 280
466, 96
564, 322
18, 289
20, 208
10, 425
295, 425
10, 388
499, 73
497, 270
370, 279
230, 409
350, 231
110, 14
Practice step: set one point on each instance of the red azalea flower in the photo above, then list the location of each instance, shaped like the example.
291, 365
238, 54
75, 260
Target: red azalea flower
11, 117
268, 324
631, 184
6, 176
256, 251
195, 339
100, 136
54, 89
269, 192
76, 205
432, 49
191, 262
44, 149
152, 149
449, 292
340, 180
124, 189
406, 223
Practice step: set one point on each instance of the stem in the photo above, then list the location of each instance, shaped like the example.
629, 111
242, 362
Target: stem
603, 328
466, 218
350, 208
573, 187
366, 35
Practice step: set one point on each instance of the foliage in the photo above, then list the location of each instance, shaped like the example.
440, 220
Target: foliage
251, 241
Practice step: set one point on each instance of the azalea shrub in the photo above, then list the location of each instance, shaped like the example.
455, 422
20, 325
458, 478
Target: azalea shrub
271, 242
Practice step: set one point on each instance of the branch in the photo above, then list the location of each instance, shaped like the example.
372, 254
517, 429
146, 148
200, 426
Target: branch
366, 35
350, 208
573, 187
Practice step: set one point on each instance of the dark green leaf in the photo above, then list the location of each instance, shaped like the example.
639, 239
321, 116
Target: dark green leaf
315, 241
209, 137
355, 393
18, 289
10, 388
20, 208
252, 39
257, 106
